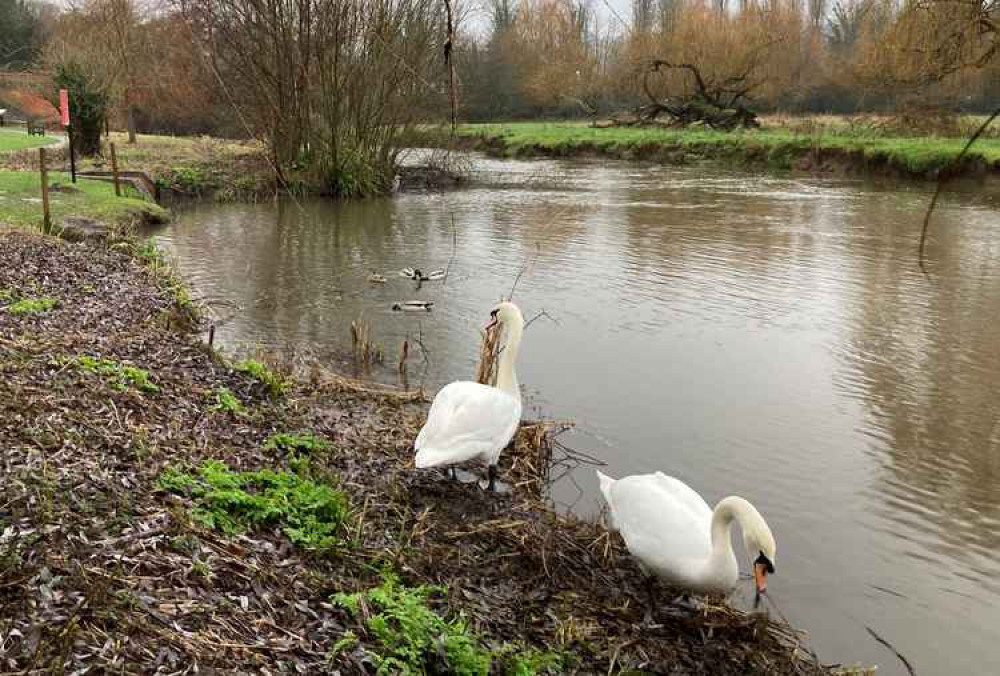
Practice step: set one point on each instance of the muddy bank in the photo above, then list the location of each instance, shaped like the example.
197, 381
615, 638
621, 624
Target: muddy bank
801, 155
114, 555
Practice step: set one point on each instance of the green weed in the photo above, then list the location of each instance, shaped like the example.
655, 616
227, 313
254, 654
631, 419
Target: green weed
290, 443
413, 638
32, 306
310, 514
274, 382
189, 180
120, 376
225, 400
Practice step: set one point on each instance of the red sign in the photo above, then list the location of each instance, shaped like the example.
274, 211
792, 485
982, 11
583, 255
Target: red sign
64, 107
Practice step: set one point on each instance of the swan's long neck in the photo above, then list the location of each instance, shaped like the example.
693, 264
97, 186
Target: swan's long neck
722, 563
506, 378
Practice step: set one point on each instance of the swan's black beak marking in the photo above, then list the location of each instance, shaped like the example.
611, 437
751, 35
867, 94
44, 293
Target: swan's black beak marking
493, 320
766, 562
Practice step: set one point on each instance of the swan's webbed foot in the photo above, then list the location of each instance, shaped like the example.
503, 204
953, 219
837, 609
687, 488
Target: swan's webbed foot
492, 474
449, 472
648, 621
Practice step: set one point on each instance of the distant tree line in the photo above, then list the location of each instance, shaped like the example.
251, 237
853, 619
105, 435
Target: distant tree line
329, 85
554, 57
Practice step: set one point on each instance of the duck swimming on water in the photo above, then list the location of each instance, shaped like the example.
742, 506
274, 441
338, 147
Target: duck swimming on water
416, 274
413, 306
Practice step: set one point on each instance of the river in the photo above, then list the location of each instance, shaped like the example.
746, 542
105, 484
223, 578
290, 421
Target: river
764, 336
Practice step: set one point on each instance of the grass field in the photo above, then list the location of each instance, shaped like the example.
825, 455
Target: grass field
21, 201
778, 146
18, 139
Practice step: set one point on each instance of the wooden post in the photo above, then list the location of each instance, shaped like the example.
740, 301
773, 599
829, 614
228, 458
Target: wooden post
72, 154
114, 170
46, 216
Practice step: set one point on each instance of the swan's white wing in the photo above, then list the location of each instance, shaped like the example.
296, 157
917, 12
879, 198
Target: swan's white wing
659, 527
467, 420
685, 495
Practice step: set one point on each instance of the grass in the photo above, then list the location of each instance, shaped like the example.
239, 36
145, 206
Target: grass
777, 145
18, 139
274, 382
120, 376
31, 306
310, 514
303, 443
414, 639
21, 201
225, 400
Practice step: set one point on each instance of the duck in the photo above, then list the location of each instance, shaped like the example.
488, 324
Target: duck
416, 274
469, 421
413, 306
675, 536
376, 278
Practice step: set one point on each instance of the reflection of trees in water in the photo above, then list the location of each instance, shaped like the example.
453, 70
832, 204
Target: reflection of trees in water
924, 353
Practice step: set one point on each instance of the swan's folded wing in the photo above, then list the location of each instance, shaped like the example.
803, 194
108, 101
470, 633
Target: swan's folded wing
466, 420
656, 526
685, 495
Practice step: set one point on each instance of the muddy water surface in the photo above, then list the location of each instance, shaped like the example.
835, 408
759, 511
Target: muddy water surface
763, 336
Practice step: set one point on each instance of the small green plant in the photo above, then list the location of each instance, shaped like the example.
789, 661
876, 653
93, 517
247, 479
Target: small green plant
189, 180
32, 306
274, 382
291, 443
149, 253
225, 400
120, 376
413, 638
7, 294
310, 514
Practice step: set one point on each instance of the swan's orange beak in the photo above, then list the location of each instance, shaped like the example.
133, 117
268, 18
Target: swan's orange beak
760, 577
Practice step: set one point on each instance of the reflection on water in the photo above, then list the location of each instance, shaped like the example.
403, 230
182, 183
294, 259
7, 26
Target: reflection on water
761, 336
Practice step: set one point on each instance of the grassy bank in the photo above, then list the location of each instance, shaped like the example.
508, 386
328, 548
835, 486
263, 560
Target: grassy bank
21, 201
164, 508
18, 139
813, 147
195, 166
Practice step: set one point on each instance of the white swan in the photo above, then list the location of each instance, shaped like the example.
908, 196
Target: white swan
471, 421
670, 529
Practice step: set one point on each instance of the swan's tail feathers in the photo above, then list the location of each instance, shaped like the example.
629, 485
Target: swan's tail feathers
606, 484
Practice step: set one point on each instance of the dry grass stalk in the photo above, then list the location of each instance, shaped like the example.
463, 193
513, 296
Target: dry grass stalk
404, 353
489, 355
366, 352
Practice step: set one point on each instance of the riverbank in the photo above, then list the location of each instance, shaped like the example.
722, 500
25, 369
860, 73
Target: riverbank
21, 202
811, 148
125, 540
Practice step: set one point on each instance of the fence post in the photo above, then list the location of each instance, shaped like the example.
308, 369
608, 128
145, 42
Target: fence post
46, 216
114, 170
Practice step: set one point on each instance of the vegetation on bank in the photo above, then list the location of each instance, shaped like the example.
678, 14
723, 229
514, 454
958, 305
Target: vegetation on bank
289, 534
21, 201
821, 148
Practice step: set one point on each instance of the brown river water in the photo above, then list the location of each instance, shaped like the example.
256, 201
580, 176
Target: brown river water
764, 336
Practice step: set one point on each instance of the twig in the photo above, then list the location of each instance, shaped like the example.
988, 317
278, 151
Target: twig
454, 249
944, 179
902, 658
